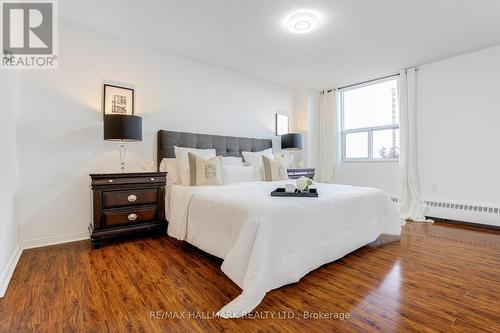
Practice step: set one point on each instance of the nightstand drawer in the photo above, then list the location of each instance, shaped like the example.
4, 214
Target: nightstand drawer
115, 180
130, 216
129, 197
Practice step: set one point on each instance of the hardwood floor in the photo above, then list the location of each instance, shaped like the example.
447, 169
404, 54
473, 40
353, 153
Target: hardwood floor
438, 278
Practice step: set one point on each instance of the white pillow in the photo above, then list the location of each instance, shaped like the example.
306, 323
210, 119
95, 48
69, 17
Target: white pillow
181, 154
237, 174
232, 160
255, 159
169, 165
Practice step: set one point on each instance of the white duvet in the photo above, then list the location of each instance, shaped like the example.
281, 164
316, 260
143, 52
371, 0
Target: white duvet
267, 242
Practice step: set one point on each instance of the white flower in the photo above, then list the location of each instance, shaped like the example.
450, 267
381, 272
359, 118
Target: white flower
148, 166
303, 183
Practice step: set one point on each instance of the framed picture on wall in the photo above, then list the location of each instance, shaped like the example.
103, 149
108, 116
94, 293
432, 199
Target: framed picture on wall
281, 124
118, 100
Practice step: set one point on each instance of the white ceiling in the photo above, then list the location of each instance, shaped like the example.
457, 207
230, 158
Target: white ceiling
356, 39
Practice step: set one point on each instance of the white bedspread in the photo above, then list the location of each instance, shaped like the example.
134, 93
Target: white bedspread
267, 242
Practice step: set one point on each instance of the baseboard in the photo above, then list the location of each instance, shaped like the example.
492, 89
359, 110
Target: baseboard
471, 212
9, 270
465, 212
54, 240
467, 224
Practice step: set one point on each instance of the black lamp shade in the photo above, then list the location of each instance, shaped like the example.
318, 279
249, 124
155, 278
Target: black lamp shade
291, 141
122, 128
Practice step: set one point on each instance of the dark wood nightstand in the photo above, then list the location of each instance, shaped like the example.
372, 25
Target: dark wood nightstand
127, 203
296, 173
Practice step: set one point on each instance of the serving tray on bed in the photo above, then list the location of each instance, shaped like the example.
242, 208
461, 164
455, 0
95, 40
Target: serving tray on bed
280, 192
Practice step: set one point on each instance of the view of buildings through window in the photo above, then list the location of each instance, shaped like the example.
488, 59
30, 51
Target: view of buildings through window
370, 121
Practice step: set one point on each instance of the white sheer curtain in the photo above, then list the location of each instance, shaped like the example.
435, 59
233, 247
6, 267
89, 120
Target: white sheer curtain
412, 206
329, 144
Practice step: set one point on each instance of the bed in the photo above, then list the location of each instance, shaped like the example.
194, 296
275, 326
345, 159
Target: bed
267, 242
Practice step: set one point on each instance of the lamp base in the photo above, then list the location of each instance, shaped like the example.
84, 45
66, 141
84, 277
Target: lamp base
292, 160
122, 156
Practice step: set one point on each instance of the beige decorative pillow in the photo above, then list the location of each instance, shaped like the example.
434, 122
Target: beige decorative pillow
204, 172
274, 169
181, 154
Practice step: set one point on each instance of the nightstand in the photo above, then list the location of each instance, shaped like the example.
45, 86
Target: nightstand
296, 173
126, 204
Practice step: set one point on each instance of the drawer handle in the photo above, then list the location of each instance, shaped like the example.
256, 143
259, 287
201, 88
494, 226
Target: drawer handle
152, 179
132, 198
132, 217
110, 180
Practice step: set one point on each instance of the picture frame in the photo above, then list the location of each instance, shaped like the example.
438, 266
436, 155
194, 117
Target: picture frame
281, 123
118, 100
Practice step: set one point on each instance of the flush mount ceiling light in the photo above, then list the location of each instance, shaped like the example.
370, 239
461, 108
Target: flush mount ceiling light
302, 23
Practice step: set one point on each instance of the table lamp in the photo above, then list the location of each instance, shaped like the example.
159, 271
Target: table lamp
124, 129
291, 142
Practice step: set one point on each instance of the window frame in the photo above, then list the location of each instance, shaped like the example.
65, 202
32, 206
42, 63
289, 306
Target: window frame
368, 130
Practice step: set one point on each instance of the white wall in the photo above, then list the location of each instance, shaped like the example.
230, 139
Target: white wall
60, 130
9, 108
458, 134
459, 121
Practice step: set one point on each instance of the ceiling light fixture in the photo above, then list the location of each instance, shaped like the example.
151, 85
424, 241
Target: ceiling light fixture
302, 23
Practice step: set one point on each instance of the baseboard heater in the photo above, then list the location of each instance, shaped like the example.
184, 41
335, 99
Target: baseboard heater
459, 211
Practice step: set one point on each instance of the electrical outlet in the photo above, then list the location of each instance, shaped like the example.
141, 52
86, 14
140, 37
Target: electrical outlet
434, 188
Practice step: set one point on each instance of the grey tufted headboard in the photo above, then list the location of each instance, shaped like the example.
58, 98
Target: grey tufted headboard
224, 145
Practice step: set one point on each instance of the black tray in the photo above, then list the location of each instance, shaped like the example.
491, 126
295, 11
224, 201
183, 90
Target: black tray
280, 192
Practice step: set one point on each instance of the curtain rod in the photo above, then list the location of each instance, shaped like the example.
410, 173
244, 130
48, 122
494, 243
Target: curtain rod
367, 81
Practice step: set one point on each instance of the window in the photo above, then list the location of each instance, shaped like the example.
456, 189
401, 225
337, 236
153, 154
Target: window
370, 121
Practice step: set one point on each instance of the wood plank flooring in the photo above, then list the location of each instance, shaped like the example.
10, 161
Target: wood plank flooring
438, 278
